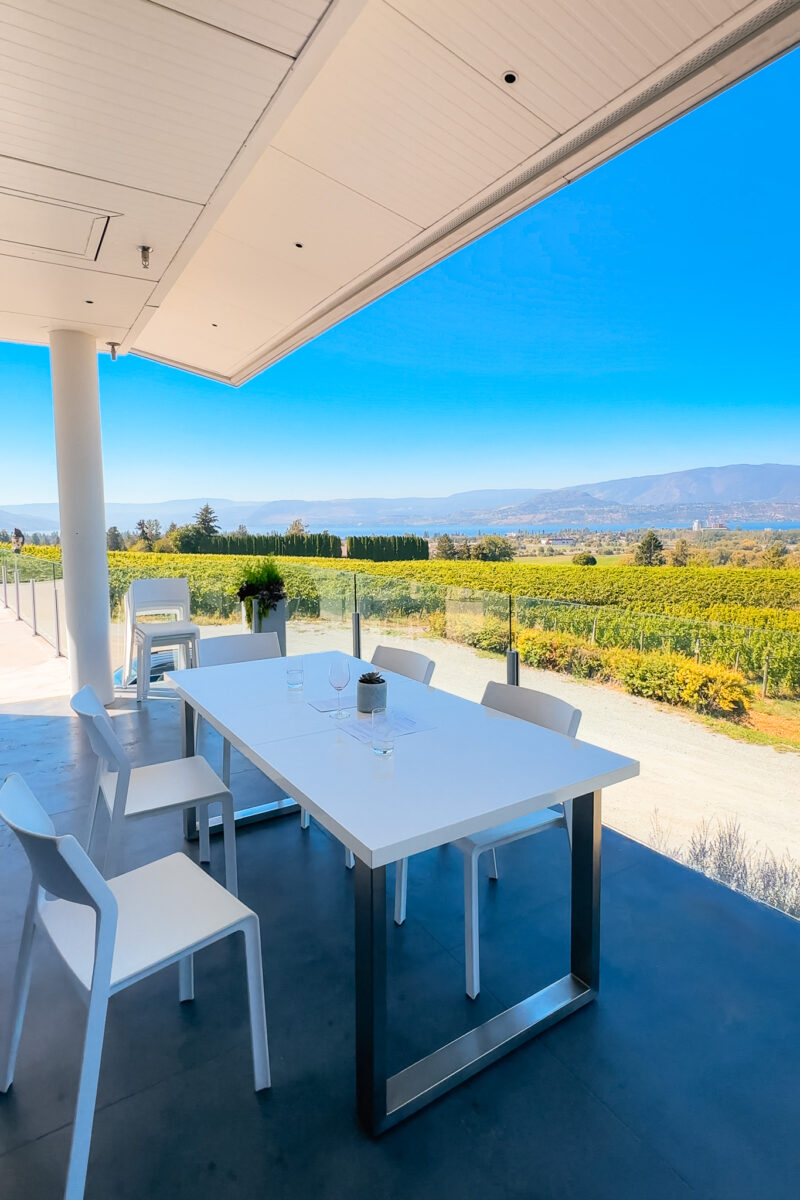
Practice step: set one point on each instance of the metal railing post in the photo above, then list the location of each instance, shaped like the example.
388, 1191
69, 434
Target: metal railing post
5, 586
255, 625
33, 607
356, 621
512, 655
16, 591
57, 618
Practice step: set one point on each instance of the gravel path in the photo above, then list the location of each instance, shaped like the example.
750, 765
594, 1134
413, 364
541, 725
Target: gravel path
688, 772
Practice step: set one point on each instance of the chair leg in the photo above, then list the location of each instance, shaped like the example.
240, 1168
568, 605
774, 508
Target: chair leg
471, 926
349, 859
304, 818
142, 670
112, 863
186, 978
255, 996
226, 762
400, 891
19, 995
93, 807
202, 827
229, 838
493, 872
87, 1095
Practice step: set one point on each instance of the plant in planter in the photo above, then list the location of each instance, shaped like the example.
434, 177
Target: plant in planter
371, 692
264, 584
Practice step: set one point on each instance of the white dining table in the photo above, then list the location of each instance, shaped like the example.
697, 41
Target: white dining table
463, 769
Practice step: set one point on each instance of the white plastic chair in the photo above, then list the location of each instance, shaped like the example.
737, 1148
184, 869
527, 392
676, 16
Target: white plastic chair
112, 934
130, 793
404, 662
413, 666
160, 597
540, 709
234, 648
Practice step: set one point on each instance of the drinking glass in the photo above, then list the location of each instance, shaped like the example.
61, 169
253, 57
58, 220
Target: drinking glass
294, 678
382, 733
339, 677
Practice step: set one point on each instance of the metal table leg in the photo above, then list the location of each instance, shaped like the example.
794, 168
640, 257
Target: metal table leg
384, 1101
243, 816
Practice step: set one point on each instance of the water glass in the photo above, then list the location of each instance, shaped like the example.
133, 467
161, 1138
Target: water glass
382, 733
294, 679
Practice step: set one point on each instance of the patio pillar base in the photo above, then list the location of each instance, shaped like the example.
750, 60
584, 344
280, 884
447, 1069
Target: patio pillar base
79, 457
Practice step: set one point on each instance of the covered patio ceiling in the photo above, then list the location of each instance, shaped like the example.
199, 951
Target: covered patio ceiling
288, 161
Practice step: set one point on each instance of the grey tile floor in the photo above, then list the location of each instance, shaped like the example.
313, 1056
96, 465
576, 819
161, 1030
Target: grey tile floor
681, 1080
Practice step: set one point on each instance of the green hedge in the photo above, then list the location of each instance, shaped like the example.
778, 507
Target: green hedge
299, 545
388, 549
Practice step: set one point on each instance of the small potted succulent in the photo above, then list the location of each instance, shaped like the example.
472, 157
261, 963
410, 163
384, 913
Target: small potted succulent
371, 692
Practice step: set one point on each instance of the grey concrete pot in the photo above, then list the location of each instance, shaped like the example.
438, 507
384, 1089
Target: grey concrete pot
273, 621
371, 696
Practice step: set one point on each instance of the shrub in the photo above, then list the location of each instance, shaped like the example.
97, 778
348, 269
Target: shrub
722, 852
584, 560
670, 678
262, 581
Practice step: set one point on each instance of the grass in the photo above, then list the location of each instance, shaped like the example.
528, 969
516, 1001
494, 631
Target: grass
769, 723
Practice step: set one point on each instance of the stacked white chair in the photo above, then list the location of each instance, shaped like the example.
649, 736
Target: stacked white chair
158, 597
132, 793
540, 709
109, 935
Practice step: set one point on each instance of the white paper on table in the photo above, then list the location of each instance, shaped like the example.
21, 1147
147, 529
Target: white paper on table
399, 724
325, 705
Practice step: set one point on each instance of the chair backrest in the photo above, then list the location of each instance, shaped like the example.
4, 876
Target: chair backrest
537, 707
158, 596
404, 662
99, 730
236, 648
60, 865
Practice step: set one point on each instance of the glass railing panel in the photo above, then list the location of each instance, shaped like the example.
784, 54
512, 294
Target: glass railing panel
460, 629
693, 700
319, 607
45, 609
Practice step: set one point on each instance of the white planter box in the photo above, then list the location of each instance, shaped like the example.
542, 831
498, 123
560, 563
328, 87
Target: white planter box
273, 621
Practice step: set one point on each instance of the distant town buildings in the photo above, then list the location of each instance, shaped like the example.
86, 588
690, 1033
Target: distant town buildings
711, 523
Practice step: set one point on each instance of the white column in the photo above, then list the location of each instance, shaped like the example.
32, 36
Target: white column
79, 456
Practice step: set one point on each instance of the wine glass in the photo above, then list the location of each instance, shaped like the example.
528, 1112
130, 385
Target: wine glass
339, 677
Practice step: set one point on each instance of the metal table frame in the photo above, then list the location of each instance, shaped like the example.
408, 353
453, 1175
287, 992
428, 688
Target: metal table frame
382, 1100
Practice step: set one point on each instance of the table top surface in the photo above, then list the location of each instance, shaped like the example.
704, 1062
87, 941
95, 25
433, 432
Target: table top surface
465, 769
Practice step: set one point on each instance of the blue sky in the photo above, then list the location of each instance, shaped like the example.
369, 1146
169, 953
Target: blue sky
644, 319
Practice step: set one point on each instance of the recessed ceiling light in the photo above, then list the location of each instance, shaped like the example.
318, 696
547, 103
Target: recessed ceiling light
299, 245
509, 77
214, 325
88, 302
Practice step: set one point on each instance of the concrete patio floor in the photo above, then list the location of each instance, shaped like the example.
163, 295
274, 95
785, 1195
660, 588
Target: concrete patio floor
680, 1080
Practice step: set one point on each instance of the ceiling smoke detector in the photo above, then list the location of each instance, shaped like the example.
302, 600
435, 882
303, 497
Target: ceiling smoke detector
509, 76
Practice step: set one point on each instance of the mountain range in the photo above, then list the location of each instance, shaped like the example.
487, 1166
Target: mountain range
745, 492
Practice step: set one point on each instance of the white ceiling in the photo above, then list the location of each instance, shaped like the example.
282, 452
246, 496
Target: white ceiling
378, 134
